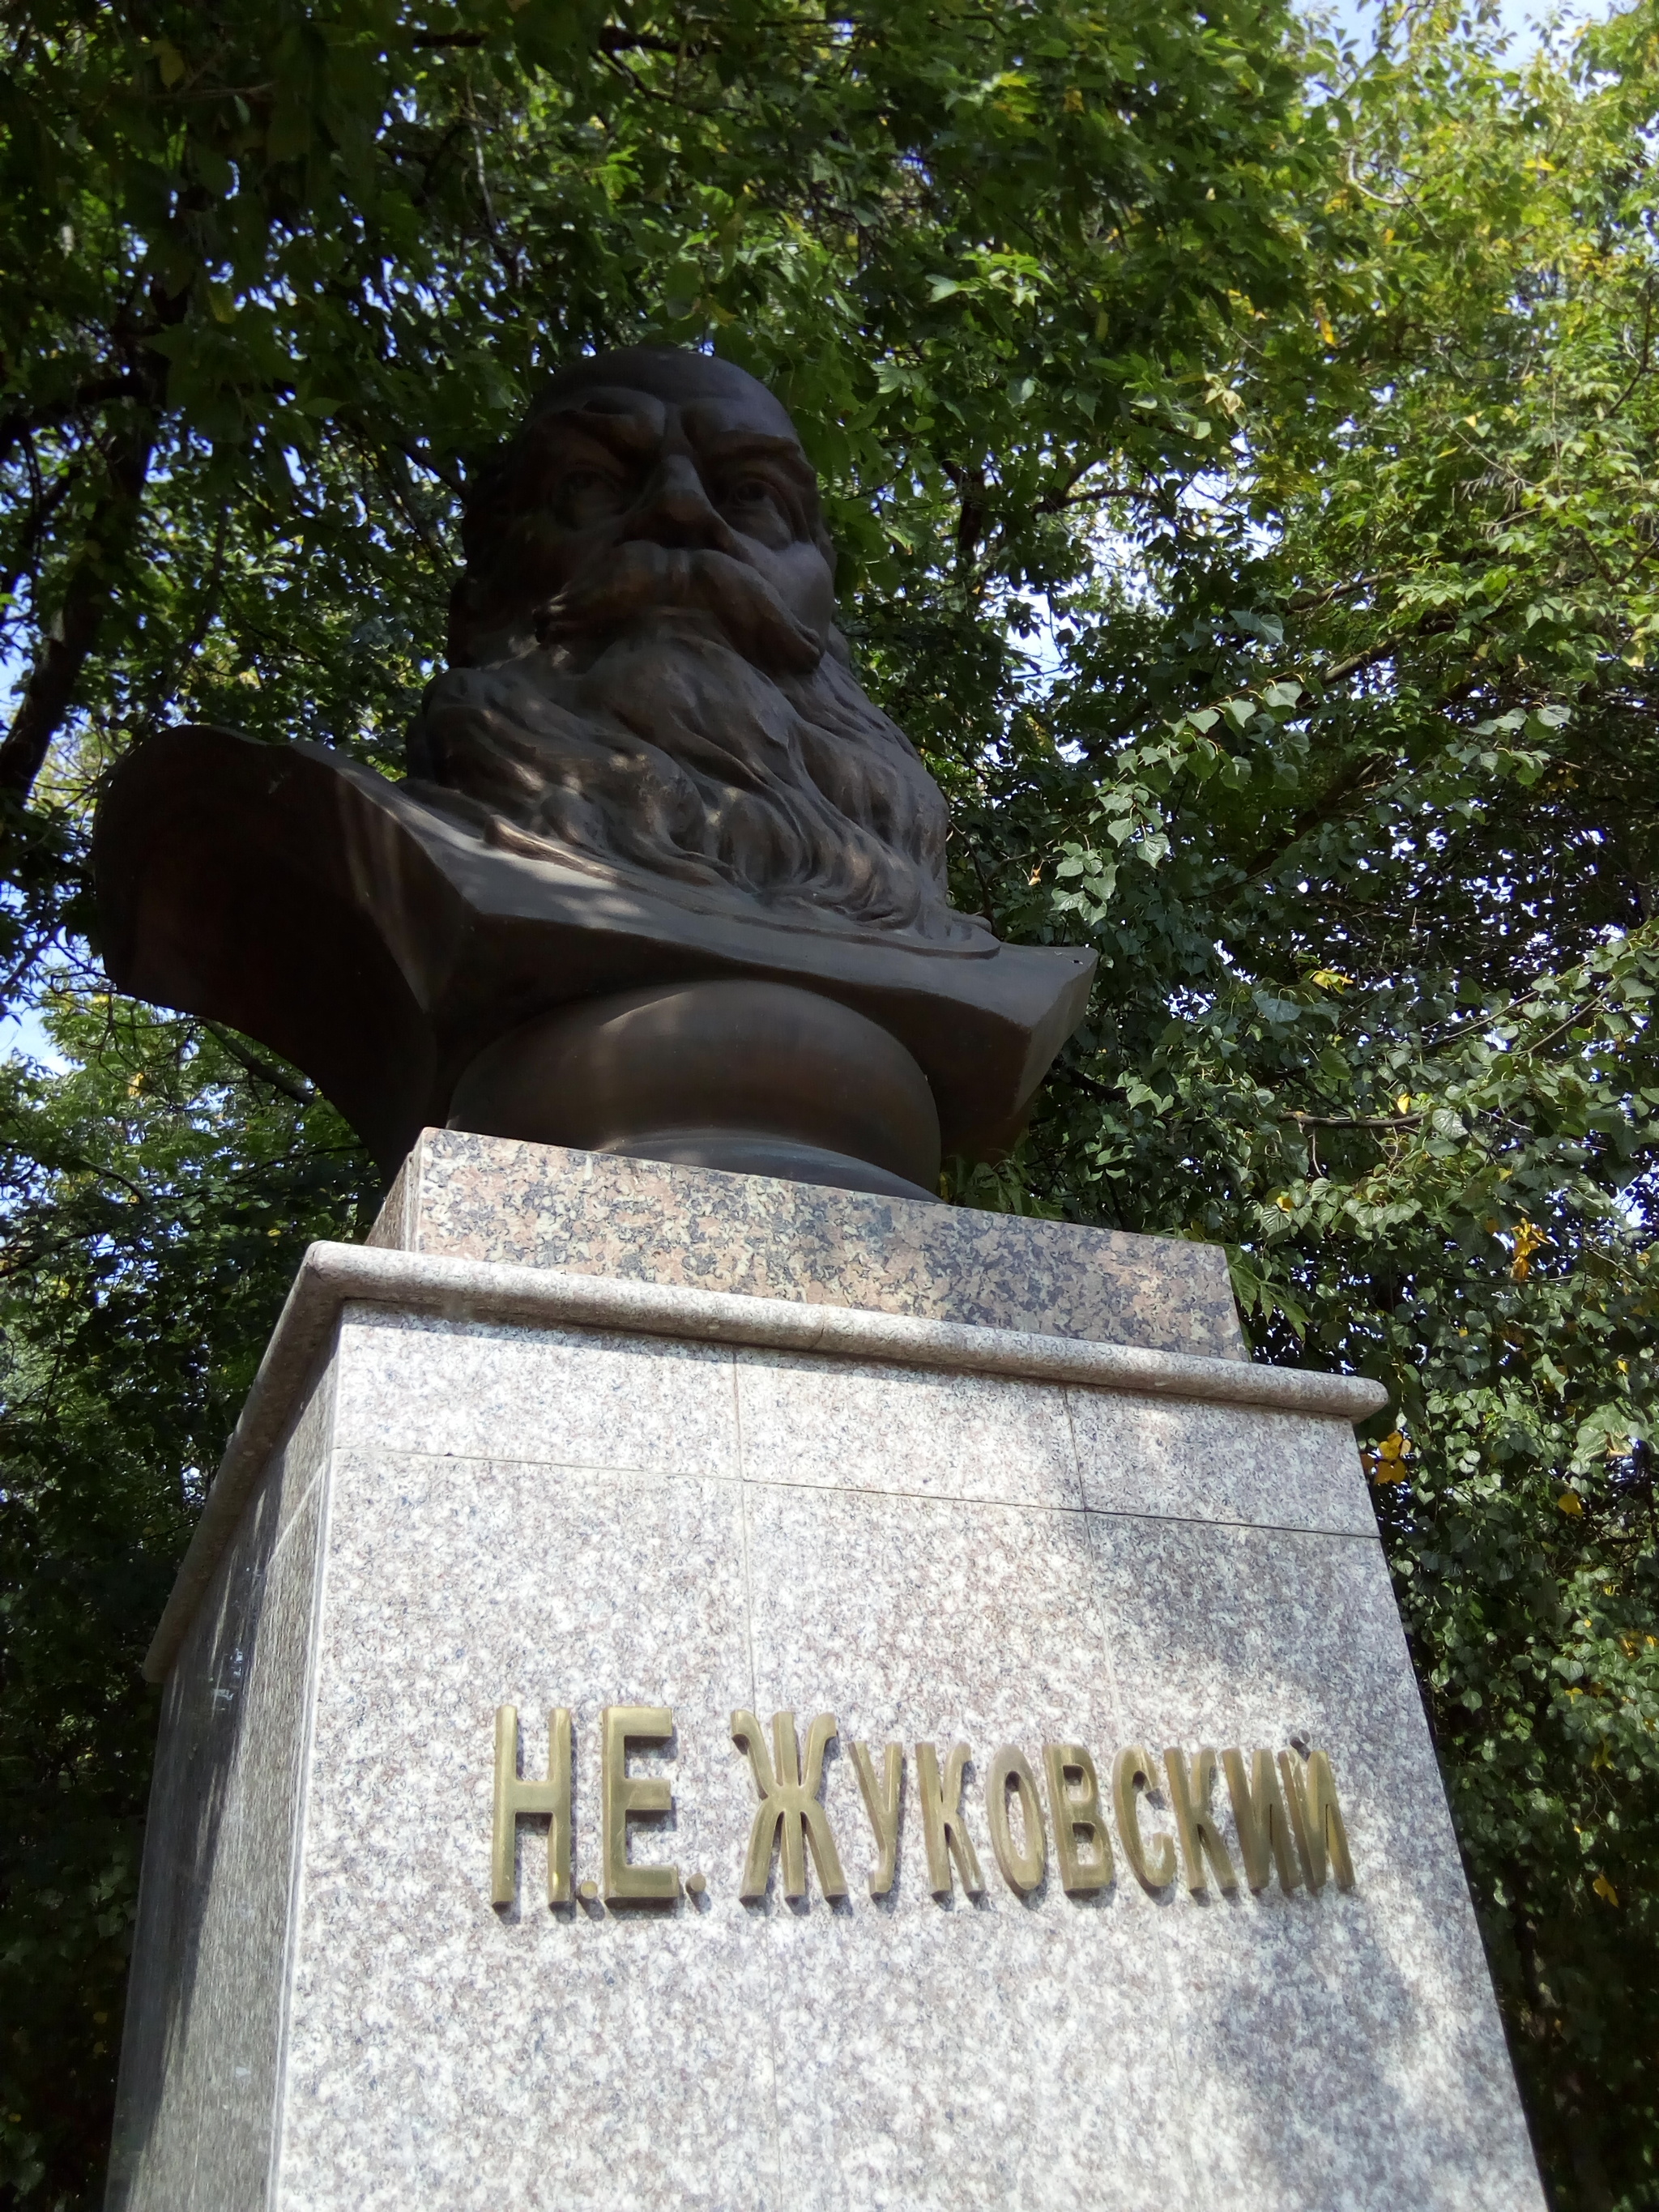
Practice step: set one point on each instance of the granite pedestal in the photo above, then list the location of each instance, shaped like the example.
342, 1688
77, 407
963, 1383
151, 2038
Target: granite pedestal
578, 1433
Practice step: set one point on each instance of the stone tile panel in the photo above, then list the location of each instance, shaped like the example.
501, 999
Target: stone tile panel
953, 2054
568, 1397
1197, 1462
841, 1425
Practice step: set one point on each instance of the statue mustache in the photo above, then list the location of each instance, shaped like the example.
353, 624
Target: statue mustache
641, 578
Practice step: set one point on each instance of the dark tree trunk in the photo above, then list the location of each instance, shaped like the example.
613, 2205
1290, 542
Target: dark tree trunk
68, 643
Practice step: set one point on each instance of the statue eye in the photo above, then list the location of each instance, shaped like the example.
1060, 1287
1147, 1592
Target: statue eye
749, 491
589, 496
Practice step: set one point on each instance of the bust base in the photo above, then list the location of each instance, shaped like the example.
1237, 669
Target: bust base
757, 1079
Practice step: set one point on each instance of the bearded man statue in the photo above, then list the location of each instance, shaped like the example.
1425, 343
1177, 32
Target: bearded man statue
662, 878
646, 670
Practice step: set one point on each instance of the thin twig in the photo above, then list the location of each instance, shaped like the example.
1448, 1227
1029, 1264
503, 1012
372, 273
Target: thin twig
302, 1092
1352, 1121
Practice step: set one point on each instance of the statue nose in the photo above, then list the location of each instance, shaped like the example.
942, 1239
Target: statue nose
676, 509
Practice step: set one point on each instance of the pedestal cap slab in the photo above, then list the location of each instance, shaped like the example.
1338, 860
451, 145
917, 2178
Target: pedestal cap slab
468, 1197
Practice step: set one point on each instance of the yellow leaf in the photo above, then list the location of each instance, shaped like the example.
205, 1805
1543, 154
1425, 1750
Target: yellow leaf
1330, 979
1570, 1502
173, 64
1402, 1103
1074, 100
1527, 1240
1285, 1202
1603, 1888
1388, 1462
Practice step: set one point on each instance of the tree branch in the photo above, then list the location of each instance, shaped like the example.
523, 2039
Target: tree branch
1309, 817
1339, 670
302, 1093
68, 643
1352, 1121
610, 39
42, 507
97, 394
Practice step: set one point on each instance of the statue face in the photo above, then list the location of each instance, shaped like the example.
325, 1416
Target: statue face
645, 670
718, 473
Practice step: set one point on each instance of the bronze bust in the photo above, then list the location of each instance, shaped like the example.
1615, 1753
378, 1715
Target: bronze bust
662, 878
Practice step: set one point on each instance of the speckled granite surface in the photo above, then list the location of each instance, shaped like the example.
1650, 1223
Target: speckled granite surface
201, 2050
595, 1213
330, 2016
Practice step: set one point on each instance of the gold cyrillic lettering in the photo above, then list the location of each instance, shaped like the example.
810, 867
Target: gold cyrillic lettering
882, 1802
1264, 1831
789, 1805
1131, 1773
942, 1826
513, 1798
622, 1795
1201, 1838
1317, 1818
1074, 1803
1022, 1869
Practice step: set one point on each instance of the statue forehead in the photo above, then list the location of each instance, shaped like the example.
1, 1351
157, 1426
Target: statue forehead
716, 391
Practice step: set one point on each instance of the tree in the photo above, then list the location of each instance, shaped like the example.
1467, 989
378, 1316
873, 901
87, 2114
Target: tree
158, 1199
1352, 777
271, 275
1242, 451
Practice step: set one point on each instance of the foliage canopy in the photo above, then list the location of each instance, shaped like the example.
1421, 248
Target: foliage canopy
1242, 452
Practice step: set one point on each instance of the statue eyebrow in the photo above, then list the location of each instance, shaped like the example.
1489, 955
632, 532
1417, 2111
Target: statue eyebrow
630, 433
753, 445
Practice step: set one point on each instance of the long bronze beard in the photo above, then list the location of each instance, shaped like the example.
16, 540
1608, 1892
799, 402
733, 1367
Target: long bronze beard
673, 756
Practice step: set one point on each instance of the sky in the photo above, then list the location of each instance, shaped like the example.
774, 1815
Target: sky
21, 1035
1519, 19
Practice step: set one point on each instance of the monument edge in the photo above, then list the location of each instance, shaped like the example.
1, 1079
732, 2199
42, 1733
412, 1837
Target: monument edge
332, 1276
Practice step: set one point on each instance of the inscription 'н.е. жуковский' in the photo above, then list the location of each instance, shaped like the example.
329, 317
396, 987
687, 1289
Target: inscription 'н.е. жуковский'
1285, 1817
